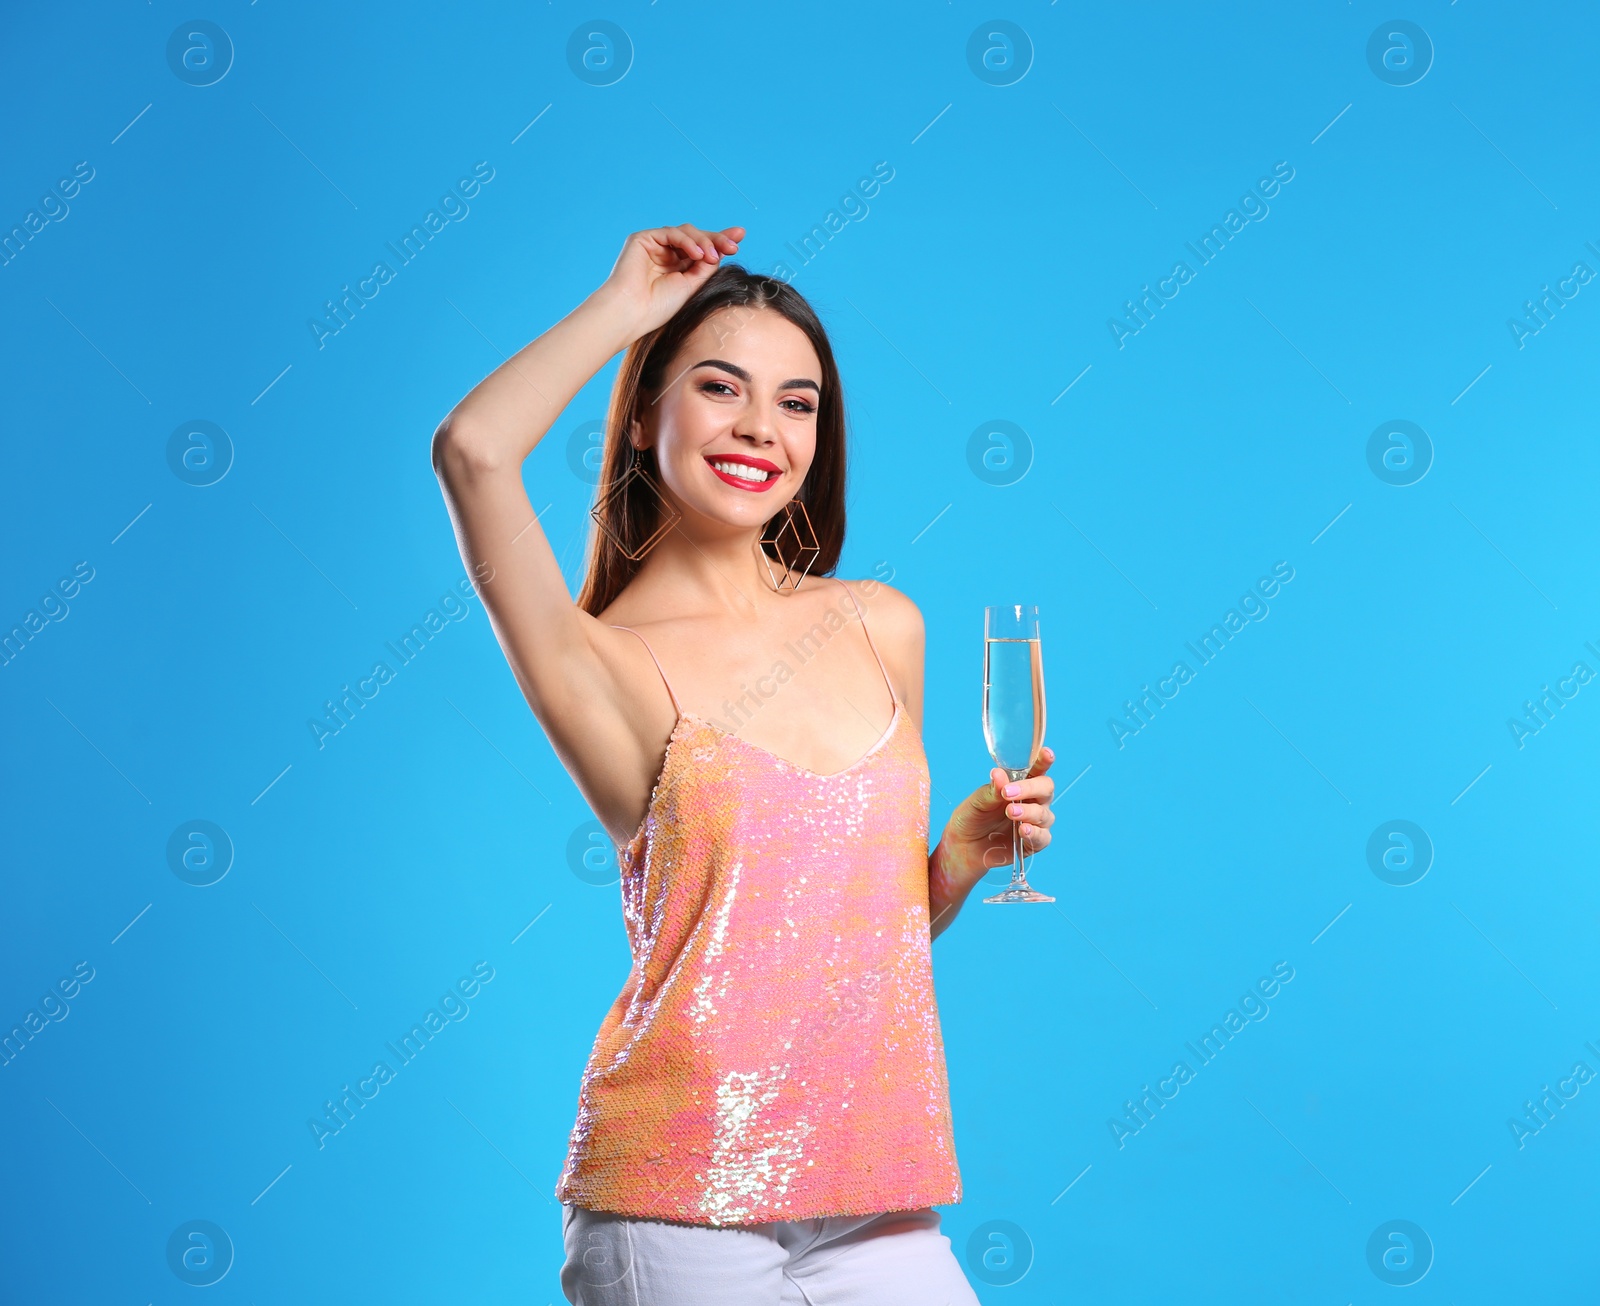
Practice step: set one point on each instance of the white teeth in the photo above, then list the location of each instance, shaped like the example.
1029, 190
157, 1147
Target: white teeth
741, 471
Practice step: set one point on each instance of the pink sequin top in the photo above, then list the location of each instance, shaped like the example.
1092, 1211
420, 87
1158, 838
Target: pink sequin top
775, 1053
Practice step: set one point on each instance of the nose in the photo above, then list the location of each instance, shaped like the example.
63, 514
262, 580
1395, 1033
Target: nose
754, 426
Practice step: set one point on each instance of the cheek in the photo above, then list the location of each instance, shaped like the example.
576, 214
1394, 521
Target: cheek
680, 435
802, 452
682, 438
676, 460
689, 420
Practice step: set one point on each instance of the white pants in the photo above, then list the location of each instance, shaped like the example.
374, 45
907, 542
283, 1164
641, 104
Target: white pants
896, 1259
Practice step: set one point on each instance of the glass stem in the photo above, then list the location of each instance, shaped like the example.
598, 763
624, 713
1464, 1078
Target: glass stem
1018, 871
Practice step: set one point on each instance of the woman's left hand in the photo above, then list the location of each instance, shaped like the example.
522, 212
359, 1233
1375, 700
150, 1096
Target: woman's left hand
978, 836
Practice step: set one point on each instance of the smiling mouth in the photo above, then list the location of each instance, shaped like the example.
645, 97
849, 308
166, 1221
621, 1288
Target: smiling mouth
746, 473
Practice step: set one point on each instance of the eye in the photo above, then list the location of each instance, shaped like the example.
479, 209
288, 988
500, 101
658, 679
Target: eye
711, 387
801, 406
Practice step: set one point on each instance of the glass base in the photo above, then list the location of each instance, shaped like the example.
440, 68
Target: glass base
1020, 893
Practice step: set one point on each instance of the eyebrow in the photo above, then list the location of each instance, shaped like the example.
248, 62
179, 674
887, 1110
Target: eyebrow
794, 383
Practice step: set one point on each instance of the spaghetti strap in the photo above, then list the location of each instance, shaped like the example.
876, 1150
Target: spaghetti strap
862, 618
659, 668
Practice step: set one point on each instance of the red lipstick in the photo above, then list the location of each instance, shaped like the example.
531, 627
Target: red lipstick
744, 460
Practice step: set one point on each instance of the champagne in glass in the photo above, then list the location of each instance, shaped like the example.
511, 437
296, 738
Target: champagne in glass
1013, 715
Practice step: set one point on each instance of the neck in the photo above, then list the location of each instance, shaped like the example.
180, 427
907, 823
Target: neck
707, 566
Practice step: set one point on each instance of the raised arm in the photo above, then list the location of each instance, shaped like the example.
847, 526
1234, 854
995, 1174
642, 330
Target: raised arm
571, 668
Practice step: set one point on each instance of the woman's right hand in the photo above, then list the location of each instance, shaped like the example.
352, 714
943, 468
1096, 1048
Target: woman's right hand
659, 269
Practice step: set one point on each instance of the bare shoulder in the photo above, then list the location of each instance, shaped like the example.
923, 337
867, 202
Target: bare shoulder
896, 626
895, 619
885, 603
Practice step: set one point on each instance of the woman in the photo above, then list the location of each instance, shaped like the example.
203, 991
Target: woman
765, 1114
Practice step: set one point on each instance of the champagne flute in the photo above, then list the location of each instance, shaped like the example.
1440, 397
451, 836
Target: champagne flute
1013, 715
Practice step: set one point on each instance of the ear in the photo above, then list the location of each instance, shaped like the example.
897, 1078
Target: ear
636, 435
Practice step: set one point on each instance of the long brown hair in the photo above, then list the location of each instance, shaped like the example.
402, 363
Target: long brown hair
633, 514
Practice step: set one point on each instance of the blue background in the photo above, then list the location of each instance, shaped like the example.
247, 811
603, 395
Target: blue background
1162, 477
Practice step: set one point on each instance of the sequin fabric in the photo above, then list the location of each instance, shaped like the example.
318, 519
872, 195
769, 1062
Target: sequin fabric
775, 1053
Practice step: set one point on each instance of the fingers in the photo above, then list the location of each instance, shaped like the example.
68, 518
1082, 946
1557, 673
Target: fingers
676, 249
1026, 802
1034, 839
695, 241
1031, 814
715, 243
676, 241
1036, 789
686, 247
670, 250
1035, 835
1042, 763
710, 246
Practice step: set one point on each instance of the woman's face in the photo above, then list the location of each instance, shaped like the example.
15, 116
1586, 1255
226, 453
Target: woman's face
735, 426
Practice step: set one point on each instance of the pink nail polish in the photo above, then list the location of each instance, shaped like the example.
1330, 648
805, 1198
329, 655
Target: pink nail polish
1011, 791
